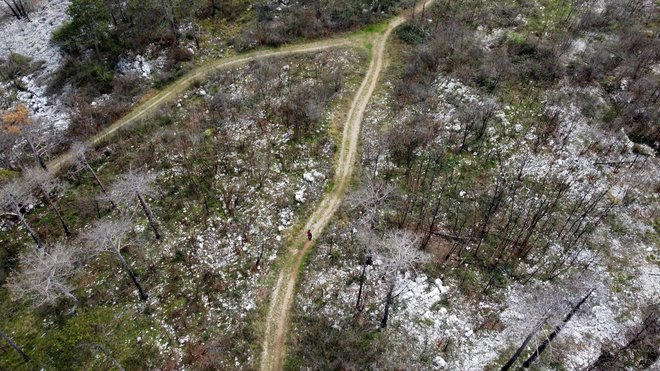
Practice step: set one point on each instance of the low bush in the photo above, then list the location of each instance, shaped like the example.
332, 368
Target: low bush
411, 33
16, 66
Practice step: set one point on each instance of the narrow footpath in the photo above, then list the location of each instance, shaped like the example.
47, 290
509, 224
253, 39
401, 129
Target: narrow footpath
279, 312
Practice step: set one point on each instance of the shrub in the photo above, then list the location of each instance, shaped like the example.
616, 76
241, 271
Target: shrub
533, 60
87, 28
179, 54
411, 34
15, 66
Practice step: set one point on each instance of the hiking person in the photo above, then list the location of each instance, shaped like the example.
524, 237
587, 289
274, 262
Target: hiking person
309, 234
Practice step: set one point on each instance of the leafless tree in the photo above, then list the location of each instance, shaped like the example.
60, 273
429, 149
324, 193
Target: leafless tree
43, 276
474, 121
116, 6
556, 331
642, 338
530, 337
14, 197
213, 4
399, 252
11, 343
369, 197
263, 242
18, 8
47, 183
7, 142
302, 108
35, 135
108, 236
79, 150
544, 307
136, 185
168, 9
368, 240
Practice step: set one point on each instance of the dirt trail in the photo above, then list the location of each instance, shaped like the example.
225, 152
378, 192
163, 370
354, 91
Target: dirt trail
171, 91
273, 346
283, 292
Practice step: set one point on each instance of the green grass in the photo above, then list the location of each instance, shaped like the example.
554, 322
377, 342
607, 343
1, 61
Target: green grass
86, 340
376, 28
549, 19
6, 175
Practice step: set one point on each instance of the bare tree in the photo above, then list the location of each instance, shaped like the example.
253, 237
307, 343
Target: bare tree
136, 185
47, 183
79, 150
556, 331
642, 338
43, 276
264, 242
529, 338
7, 142
214, 7
18, 8
34, 135
544, 306
26, 359
369, 197
399, 252
168, 9
474, 121
113, 6
107, 236
368, 239
14, 196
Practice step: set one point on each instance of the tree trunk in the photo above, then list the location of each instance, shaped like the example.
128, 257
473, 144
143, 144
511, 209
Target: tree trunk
359, 305
261, 254
98, 181
529, 337
108, 7
429, 233
13, 11
26, 359
31, 231
413, 10
71, 296
492, 208
388, 303
21, 6
92, 26
149, 214
556, 331
143, 296
38, 157
18, 9
57, 211
214, 8
169, 11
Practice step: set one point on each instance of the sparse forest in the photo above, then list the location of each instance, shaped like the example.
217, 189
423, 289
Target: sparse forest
519, 148
103, 34
185, 215
482, 180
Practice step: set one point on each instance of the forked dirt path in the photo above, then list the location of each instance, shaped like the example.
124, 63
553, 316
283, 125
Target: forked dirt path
199, 73
283, 291
277, 321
